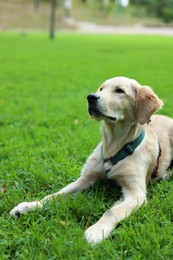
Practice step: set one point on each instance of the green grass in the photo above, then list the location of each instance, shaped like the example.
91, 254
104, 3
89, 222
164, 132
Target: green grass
46, 135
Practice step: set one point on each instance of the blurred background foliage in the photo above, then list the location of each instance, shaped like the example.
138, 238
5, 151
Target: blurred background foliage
35, 14
160, 8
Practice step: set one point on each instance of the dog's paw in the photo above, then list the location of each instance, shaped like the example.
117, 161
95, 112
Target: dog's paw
95, 234
167, 175
23, 208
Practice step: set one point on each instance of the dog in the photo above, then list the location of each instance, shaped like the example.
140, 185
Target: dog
136, 147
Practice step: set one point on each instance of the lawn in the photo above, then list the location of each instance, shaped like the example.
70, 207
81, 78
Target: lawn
46, 135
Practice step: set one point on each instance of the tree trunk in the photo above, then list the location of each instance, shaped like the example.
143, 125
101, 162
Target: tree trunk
52, 18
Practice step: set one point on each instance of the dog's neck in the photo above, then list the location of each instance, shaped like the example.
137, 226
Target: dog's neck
115, 136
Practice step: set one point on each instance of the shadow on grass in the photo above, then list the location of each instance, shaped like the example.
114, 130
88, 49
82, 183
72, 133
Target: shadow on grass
84, 209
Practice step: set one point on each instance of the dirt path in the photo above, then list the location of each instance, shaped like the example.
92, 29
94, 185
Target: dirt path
88, 27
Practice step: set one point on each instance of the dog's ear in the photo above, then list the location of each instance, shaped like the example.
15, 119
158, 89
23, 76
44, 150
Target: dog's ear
146, 104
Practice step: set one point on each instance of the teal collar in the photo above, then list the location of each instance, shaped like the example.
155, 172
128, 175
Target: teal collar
127, 150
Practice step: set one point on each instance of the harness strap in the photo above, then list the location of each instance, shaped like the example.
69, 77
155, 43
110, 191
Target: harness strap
155, 172
127, 150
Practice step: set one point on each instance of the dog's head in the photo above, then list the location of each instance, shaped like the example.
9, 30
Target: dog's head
125, 99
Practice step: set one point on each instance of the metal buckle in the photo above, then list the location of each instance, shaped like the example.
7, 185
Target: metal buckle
129, 149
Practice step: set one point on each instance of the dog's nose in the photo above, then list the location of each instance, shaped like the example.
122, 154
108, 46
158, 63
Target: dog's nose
93, 97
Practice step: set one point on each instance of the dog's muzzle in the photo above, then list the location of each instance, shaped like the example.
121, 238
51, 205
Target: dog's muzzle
92, 98
94, 109
93, 104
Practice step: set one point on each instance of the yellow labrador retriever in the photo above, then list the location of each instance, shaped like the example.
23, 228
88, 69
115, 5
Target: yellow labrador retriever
135, 148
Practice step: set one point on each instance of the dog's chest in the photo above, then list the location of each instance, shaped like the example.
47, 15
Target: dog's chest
110, 170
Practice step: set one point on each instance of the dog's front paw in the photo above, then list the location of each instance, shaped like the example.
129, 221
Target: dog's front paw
24, 207
95, 234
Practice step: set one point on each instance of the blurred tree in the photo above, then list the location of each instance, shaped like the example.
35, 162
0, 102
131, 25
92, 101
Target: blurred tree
122, 3
52, 18
106, 3
36, 5
161, 8
98, 4
67, 6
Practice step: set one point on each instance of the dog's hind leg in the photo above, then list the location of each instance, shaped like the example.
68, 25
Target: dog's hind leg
167, 162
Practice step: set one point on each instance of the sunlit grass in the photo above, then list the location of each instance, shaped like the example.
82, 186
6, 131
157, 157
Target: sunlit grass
46, 135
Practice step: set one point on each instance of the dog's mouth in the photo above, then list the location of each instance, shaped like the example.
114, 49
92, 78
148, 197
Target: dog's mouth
94, 112
97, 114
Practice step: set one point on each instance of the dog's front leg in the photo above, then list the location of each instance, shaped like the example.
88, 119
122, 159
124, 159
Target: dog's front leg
112, 217
76, 186
92, 170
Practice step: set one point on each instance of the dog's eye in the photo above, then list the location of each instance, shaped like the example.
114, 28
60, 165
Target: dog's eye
101, 89
119, 90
